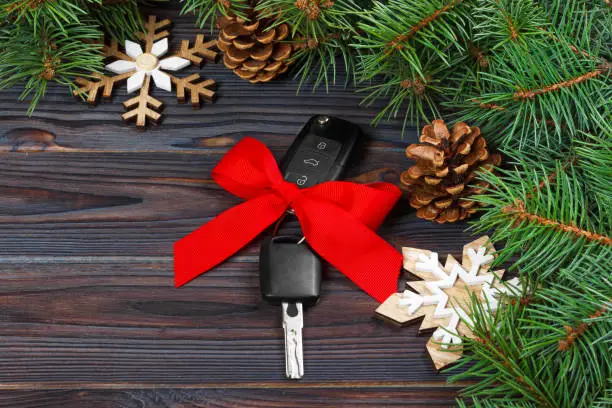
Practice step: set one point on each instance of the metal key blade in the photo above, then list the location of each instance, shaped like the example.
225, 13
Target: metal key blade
293, 322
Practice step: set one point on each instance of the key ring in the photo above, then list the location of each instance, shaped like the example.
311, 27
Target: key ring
289, 211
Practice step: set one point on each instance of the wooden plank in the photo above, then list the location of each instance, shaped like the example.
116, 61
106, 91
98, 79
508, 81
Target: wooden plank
138, 204
124, 323
234, 114
405, 396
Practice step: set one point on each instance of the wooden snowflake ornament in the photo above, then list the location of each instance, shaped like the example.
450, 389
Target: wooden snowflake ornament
138, 66
442, 297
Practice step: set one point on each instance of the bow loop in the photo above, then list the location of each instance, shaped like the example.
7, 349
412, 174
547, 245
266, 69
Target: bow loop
247, 170
337, 218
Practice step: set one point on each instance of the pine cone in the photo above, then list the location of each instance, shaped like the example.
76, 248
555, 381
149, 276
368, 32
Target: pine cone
252, 50
445, 164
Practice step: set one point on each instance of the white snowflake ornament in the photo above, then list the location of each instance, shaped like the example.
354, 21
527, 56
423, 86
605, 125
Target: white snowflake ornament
138, 68
442, 297
148, 63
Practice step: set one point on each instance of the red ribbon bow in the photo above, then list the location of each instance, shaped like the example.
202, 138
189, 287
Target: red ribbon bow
337, 219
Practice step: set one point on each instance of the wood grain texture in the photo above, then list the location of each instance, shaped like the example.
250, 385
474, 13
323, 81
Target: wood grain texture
123, 322
89, 210
137, 204
280, 396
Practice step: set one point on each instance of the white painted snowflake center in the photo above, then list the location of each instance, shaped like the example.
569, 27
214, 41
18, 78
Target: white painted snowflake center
146, 62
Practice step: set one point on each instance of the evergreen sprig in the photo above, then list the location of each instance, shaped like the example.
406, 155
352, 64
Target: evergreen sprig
547, 348
316, 60
62, 13
38, 53
55, 41
207, 11
551, 346
321, 30
545, 215
594, 154
533, 83
392, 35
586, 22
119, 19
509, 22
408, 94
554, 94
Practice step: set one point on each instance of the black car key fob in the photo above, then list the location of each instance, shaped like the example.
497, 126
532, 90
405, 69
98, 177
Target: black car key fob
321, 151
289, 272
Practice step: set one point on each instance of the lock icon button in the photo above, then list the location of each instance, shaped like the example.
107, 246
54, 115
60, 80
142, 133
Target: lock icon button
302, 180
325, 146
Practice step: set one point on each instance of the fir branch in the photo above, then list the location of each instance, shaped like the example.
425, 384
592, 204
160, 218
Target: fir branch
515, 354
38, 53
397, 43
552, 176
574, 337
605, 400
548, 95
573, 333
321, 30
413, 46
207, 11
586, 22
395, 33
316, 60
595, 154
532, 93
488, 106
410, 95
477, 403
509, 21
119, 19
495, 357
316, 19
64, 13
572, 47
519, 213
548, 233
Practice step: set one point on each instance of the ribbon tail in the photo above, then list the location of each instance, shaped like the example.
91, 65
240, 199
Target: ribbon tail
223, 236
350, 246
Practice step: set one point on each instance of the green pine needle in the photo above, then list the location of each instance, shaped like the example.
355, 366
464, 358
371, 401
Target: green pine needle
207, 11
52, 54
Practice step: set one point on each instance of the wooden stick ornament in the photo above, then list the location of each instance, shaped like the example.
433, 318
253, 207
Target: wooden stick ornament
442, 297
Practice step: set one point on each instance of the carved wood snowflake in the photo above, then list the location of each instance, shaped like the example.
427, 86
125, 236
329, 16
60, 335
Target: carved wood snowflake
138, 67
442, 297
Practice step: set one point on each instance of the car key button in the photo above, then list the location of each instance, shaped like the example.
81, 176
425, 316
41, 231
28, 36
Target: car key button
323, 148
302, 180
307, 161
323, 145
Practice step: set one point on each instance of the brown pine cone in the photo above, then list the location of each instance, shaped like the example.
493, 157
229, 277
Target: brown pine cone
446, 162
252, 50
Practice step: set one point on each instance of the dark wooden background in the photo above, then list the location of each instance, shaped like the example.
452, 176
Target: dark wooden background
88, 314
